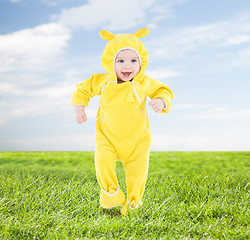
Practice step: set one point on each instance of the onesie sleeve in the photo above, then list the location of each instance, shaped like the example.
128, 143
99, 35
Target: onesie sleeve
157, 89
87, 89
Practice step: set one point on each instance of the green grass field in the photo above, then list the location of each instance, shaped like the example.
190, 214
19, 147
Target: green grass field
189, 195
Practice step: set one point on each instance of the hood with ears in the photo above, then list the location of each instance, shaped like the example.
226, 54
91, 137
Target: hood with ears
117, 42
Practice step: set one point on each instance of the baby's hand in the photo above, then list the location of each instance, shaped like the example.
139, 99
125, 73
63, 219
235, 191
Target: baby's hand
157, 104
80, 115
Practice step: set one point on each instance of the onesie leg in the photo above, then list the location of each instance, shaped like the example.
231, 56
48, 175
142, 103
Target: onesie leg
105, 163
111, 194
136, 175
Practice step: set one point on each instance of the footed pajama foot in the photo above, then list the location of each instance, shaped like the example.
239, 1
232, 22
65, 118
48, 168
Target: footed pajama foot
115, 199
128, 210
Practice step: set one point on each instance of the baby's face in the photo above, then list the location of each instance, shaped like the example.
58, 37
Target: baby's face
127, 65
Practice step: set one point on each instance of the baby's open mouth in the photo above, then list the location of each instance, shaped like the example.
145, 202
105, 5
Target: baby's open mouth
126, 74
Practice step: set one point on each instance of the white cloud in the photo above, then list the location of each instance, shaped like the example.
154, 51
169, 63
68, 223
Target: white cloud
197, 142
190, 106
200, 40
237, 39
115, 14
108, 13
242, 58
9, 88
50, 2
19, 102
164, 9
32, 48
162, 73
23, 92
74, 142
222, 114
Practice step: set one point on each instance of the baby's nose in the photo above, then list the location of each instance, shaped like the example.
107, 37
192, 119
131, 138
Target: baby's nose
126, 66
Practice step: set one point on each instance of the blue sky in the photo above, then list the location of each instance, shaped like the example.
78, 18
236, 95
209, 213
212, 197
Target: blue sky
200, 49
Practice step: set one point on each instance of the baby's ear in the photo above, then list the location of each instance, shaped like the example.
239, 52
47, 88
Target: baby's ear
142, 32
106, 35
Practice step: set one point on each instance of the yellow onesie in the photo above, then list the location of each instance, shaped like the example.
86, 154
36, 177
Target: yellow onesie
122, 124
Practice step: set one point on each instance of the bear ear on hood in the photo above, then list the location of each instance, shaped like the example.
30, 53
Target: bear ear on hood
106, 35
142, 32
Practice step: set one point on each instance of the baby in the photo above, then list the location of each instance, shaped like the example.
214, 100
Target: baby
122, 124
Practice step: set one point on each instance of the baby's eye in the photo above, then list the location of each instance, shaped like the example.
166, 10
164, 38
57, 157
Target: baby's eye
133, 60
120, 61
